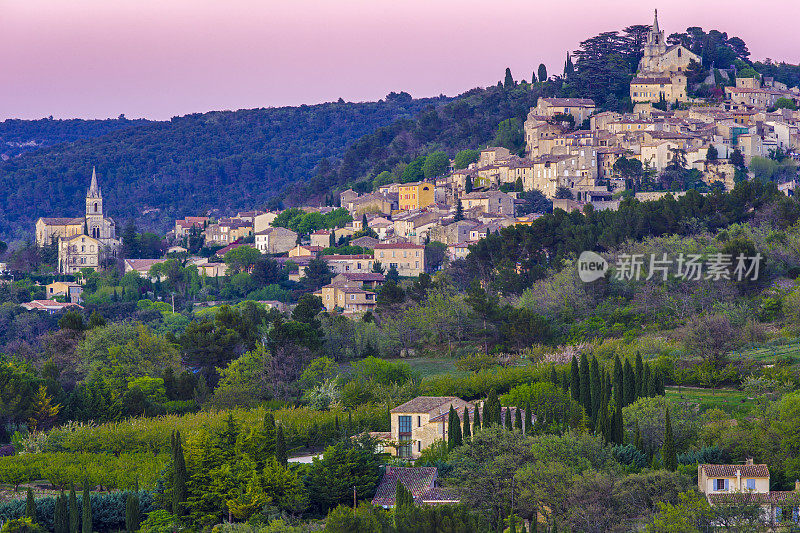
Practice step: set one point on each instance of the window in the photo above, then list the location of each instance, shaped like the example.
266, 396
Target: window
404, 450
751, 484
404, 424
720, 484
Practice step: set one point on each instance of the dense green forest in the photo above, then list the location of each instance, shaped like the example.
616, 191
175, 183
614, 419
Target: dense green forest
222, 159
21, 136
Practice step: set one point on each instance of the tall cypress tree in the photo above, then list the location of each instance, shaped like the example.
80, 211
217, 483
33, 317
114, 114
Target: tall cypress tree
451, 435
651, 385
74, 513
619, 426
61, 514
553, 375
629, 384
459, 438
660, 383
586, 394
603, 427
86, 509
518, 419
509, 423
497, 414
30, 506
476, 423
645, 392
574, 380
618, 387
180, 477
466, 432
668, 456
639, 375
595, 390
132, 517
528, 429
280, 447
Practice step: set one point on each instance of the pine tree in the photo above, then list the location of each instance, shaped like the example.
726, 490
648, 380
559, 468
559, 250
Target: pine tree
74, 513
280, 447
86, 509
639, 375
509, 80
518, 419
528, 420
595, 389
586, 395
30, 506
575, 380
645, 392
466, 432
458, 437
629, 384
668, 455
132, 517
179, 478
476, 424
451, 434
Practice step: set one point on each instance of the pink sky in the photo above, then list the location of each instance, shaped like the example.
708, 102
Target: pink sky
160, 58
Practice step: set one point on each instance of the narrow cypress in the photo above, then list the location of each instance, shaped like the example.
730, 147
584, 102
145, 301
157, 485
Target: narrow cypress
645, 392
132, 512
509, 423
639, 375
586, 395
497, 414
459, 438
179, 477
466, 431
518, 419
74, 515
652, 392
280, 447
668, 456
629, 384
476, 424
553, 375
619, 426
575, 380
30, 506
61, 514
451, 434
595, 390
86, 509
618, 387
528, 420
487, 413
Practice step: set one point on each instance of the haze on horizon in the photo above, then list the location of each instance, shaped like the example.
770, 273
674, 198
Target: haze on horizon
158, 59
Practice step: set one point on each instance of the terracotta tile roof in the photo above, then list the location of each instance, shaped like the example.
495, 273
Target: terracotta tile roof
438, 495
365, 276
425, 404
568, 102
731, 470
335, 257
143, 265
417, 480
398, 245
651, 81
48, 305
62, 221
754, 497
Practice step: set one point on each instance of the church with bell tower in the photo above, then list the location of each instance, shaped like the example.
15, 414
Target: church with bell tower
84, 242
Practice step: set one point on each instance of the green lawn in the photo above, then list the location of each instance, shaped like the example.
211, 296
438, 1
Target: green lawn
769, 352
729, 400
427, 367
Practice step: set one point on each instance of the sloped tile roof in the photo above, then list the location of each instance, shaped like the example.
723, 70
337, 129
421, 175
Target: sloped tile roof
424, 404
731, 470
417, 480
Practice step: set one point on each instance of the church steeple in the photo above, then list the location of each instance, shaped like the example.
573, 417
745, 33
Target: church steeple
94, 189
655, 23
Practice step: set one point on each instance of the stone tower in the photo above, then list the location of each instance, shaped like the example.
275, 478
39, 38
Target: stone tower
94, 210
655, 47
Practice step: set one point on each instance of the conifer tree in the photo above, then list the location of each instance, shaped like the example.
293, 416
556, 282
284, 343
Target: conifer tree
618, 387
651, 384
575, 380
132, 517
61, 515
280, 447
268, 427
508, 83
553, 375
518, 419
602, 428
637, 437
619, 426
639, 375
509, 423
468, 184
30, 506
86, 509
451, 434
528, 420
629, 384
466, 432
459, 438
595, 389
179, 478
668, 455
645, 392
586, 395
659, 383
74, 514
476, 424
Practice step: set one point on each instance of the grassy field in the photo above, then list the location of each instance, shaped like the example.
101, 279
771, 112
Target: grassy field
729, 400
427, 367
769, 352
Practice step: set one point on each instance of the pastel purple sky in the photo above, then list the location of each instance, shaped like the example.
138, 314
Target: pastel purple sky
160, 58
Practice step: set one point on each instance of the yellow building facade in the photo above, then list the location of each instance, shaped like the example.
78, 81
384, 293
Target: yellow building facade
415, 195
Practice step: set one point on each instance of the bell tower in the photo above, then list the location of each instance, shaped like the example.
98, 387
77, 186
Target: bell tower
94, 209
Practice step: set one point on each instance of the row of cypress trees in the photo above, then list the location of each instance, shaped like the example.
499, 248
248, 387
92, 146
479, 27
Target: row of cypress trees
69, 516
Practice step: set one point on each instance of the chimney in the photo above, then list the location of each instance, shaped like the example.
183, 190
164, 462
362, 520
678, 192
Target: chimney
748, 461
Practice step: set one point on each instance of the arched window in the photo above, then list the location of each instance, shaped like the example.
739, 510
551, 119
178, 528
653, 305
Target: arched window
95, 207
679, 52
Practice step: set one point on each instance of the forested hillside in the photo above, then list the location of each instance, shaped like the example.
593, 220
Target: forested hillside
157, 171
21, 136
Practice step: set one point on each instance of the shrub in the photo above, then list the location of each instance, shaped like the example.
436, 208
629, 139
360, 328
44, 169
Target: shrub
630, 455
